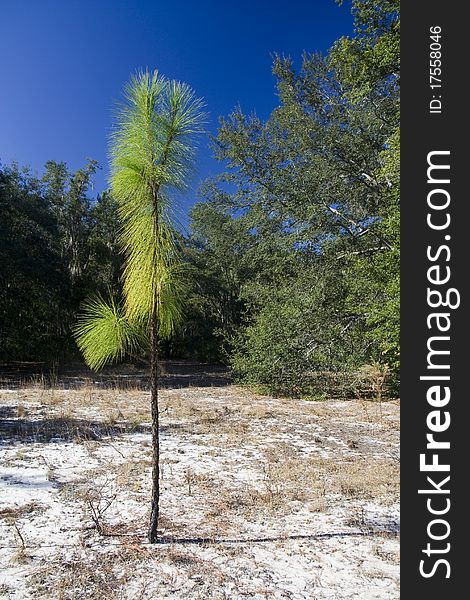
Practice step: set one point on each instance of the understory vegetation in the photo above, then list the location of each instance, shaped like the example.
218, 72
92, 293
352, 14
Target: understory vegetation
292, 258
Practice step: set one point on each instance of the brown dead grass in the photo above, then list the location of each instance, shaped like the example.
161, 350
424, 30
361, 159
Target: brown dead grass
79, 579
16, 512
366, 479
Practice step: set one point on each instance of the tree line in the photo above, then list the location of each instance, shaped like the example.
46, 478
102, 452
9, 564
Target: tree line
291, 266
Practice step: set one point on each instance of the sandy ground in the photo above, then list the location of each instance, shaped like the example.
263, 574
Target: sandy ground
261, 497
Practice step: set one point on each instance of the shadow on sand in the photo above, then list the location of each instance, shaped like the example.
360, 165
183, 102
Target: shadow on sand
34, 429
174, 374
165, 540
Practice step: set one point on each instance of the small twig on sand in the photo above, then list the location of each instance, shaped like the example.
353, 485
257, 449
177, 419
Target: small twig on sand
23, 544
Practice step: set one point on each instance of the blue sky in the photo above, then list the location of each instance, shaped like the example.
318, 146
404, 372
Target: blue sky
64, 63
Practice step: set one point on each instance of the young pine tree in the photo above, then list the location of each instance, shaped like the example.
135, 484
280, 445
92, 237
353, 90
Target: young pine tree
152, 154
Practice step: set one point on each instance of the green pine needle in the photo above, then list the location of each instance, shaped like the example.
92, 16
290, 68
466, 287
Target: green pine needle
152, 155
104, 335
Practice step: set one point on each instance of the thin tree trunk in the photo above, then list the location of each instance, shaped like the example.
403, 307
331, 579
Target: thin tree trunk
152, 533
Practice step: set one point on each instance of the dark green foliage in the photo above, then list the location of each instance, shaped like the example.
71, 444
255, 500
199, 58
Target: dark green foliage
216, 272
56, 243
104, 262
299, 329
33, 282
87, 229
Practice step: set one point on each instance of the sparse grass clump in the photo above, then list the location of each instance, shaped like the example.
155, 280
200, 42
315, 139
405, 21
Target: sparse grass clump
79, 578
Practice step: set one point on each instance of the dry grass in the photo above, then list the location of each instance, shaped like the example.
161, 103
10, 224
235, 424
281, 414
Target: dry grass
16, 512
130, 473
79, 579
289, 484
366, 479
